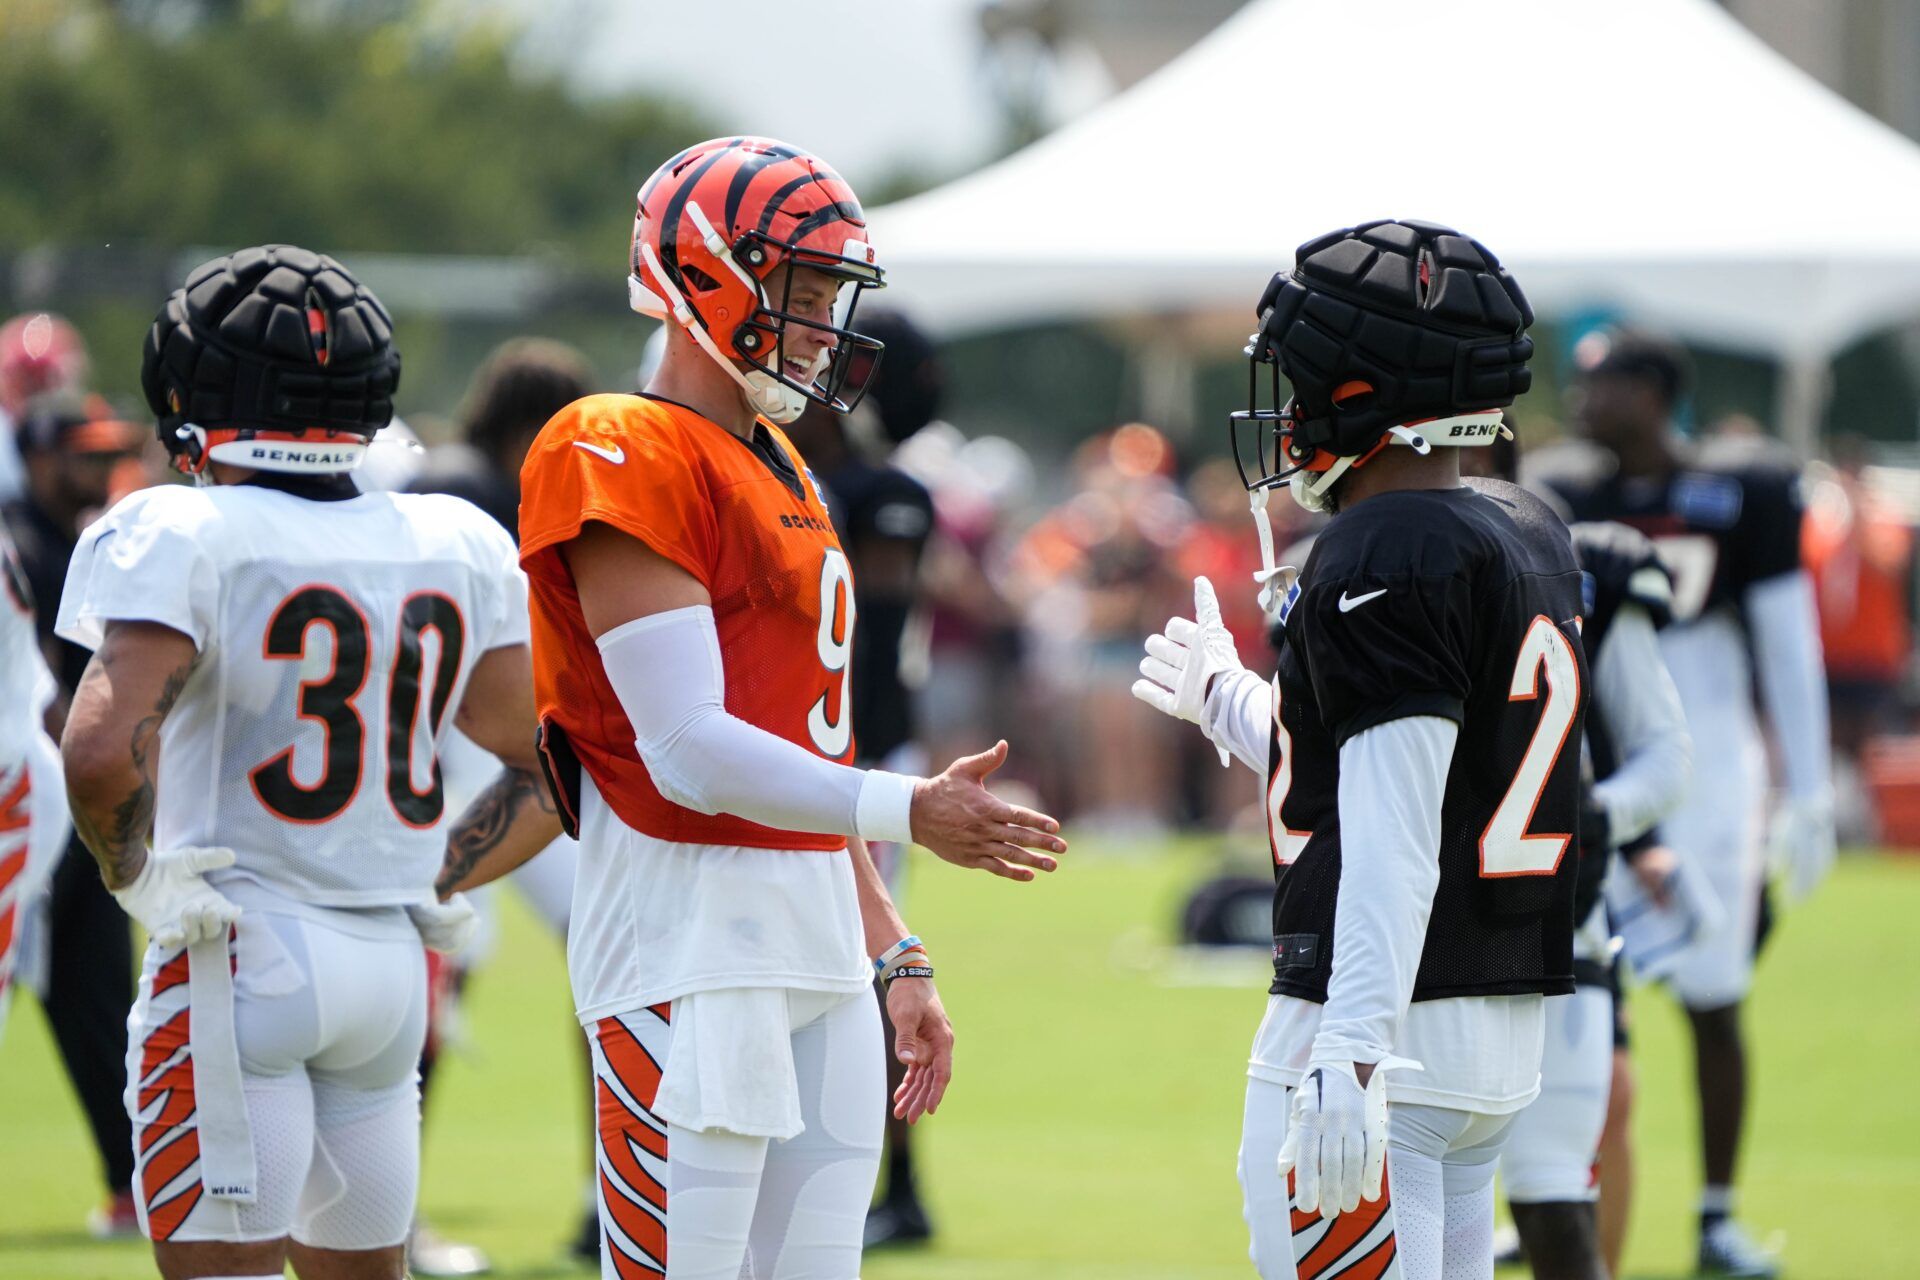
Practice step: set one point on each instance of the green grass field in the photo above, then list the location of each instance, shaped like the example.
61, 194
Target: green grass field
1092, 1127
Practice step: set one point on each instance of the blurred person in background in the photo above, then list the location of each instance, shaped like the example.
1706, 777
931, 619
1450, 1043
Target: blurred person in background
1860, 553
1726, 520
972, 677
72, 450
884, 517
40, 353
522, 383
1094, 575
33, 797
1637, 759
1216, 547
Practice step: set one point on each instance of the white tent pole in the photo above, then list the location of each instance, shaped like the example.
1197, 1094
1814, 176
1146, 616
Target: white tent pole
1800, 398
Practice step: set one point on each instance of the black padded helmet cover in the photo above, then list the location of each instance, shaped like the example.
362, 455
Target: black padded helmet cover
270, 339
1424, 316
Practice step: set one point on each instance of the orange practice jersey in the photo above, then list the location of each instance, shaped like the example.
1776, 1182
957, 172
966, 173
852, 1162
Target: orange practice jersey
746, 520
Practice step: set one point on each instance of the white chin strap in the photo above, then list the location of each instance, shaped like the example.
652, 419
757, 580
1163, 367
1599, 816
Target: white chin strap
1461, 431
766, 395
1275, 582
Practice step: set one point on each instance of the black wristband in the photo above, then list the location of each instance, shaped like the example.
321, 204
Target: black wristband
911, 971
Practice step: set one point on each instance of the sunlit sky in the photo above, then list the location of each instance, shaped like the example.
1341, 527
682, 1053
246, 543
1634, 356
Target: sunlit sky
870, 86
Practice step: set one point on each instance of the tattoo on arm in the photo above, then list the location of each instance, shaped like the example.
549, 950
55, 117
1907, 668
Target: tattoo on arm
487, 824
118, 838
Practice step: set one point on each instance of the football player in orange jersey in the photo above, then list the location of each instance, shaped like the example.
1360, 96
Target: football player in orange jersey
693, 619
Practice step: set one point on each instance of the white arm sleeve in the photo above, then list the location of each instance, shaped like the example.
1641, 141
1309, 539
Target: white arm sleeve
1239, 716
1786, 642
667, 671
1636, 698
1393, 778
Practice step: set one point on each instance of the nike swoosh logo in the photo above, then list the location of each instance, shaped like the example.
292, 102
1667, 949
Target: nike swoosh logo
1348, 603
615, 455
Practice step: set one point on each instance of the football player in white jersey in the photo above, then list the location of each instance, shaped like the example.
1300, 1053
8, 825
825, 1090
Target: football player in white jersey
33, 808
1419, 746
1727, 526
293, 650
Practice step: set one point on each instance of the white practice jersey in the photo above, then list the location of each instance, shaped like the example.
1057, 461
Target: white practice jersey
335, 639
26, 685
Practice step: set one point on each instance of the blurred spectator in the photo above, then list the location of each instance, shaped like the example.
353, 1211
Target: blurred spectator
1222, 546
1860, 553
973, 639
39, 353
519, 386
884, 517
72, 452
1096, 576
522, 383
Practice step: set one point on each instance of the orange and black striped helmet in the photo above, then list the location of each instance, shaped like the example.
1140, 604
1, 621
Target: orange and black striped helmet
715, 227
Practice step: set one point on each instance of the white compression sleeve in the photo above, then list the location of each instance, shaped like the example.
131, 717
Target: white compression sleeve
1785, 626
1641, 708
1239, 716
1393, 778
666, 669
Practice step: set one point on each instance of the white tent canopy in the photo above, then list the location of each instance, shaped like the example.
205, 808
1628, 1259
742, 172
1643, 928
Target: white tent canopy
1650, 156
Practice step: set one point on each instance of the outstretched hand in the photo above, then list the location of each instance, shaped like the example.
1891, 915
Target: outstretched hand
962, 822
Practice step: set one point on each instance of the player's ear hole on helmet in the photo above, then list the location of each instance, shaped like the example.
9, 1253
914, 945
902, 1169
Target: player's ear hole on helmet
1353, 394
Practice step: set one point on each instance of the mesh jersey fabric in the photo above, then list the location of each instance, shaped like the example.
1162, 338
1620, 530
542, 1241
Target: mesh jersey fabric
1443, 603
335, 641
1720, 526
746, 520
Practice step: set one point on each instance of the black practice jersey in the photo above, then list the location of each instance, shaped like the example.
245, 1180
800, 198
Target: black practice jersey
1462, 603
1621, 567
871, 503
1720, 526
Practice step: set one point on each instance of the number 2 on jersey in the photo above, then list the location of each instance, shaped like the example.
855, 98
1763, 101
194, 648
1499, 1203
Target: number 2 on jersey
1505, 847
330, 701
832, 737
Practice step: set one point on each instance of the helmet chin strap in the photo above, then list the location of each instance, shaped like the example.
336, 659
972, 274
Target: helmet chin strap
1274, 581
766, 394
1463, 430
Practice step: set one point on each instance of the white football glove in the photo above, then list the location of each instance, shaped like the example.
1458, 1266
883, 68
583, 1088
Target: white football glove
1801, 845
1181, 662
1336, 1145
444, 926
173, 903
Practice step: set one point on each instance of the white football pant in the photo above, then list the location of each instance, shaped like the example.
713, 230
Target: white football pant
713, 1205
1551, 1149
1440, 1165
329, 1025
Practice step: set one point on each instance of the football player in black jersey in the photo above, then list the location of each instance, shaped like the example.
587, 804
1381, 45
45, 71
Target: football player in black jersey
1420, 744
884, 517
1641, 759
1726, 521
